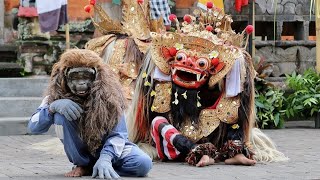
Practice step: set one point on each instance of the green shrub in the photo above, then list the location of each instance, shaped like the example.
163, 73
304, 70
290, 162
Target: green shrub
270, 100
305, 99
270, 109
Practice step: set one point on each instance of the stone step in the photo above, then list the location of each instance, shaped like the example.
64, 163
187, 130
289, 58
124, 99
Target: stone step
18, 106
23, 87
16, 126
8, 57
10, 69
8, 53
13, 126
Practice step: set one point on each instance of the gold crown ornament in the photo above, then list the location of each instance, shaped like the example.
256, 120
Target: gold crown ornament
135, 19
212, 24
205, 42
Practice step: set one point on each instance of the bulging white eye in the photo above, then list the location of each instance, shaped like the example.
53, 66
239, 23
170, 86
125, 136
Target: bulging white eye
181, 56
202, 63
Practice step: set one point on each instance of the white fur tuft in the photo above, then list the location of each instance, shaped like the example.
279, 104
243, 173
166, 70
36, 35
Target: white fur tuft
264, 148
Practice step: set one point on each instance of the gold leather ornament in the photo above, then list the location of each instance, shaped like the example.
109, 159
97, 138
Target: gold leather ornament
162, 97
99, 44
226, 112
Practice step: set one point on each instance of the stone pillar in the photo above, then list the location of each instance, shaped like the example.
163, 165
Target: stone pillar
279, 30
2, 12
306, 26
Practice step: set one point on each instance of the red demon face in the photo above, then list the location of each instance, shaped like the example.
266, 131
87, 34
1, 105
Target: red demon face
190, 71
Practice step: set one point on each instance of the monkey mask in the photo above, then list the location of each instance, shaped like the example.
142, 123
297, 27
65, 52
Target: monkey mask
80, 80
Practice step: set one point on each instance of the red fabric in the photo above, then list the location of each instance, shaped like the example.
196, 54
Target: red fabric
27, 12
156, 138
167, 131
239, 3
171, 149
245, 2
140, 121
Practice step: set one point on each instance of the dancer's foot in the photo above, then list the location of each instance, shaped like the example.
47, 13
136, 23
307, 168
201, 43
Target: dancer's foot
78, 171
205, 161
240, 159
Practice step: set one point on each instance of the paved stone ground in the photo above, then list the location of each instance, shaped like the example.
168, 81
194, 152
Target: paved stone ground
42, 157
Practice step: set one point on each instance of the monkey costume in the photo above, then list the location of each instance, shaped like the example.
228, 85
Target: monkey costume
85, 103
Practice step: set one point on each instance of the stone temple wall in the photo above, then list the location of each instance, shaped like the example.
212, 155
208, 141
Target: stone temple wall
290, 48
36, 52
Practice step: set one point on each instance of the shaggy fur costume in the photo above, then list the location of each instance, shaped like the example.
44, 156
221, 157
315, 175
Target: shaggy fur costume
105, 103
140, 117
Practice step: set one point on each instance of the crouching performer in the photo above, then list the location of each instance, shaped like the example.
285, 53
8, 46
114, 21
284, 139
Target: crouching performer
194, 99
85, 103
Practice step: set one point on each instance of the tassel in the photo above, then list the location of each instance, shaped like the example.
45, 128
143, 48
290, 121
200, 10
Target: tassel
198, 98
176, 101
153, 93
184, 95
199, 104
147, 83
144, 75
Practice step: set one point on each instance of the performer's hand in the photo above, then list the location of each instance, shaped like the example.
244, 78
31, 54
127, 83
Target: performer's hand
205, 161
103, 168
67, 108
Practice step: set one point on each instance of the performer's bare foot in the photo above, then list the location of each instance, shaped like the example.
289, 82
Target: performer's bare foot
205, 161
240, 159
78, 171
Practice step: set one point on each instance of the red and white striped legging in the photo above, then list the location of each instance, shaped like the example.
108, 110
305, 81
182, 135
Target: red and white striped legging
163, 134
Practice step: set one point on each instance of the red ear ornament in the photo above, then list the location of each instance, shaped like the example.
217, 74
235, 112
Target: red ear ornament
168, 53
214, 70
215, 61
220, 67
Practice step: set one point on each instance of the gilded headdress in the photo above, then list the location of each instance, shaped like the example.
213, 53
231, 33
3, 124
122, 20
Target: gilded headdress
135, 19
206, 35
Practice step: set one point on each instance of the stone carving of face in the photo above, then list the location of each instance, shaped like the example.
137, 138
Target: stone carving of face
80, 80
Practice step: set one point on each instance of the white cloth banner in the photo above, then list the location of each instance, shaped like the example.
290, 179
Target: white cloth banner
52, 13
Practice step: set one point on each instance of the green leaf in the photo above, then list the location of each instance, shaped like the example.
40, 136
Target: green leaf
260, 105
291, 112
276, 119
269, 93
299, 107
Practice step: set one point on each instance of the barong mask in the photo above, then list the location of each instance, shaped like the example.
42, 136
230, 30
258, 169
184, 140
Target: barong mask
191, 69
